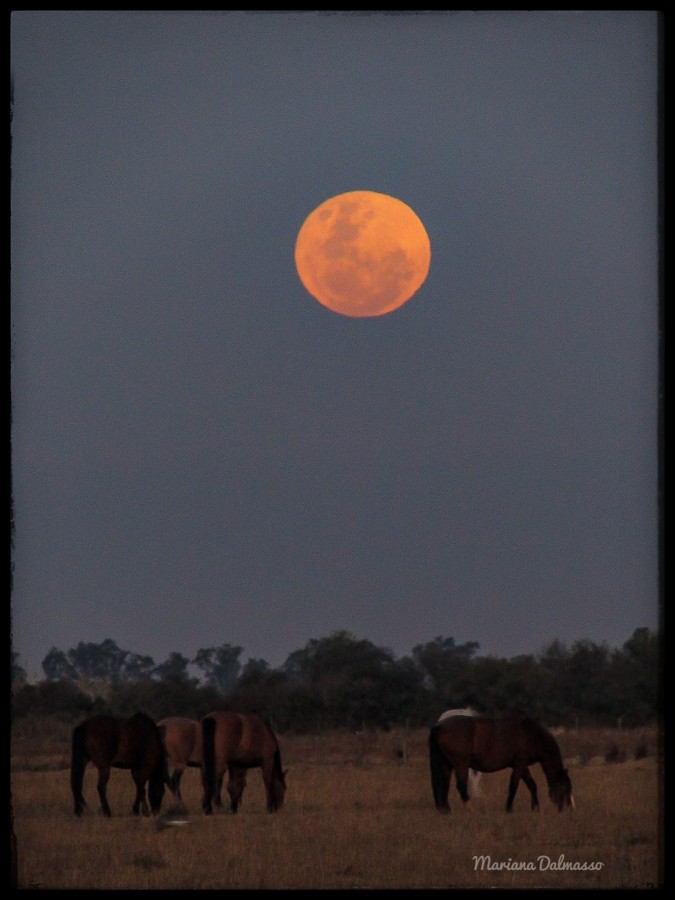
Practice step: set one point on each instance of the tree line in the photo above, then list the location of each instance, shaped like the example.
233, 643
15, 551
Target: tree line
343, 682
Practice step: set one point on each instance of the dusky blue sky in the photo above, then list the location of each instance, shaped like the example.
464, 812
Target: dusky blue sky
203, 454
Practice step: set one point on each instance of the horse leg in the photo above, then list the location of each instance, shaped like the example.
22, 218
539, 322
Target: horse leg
103, 777
267, 769
79, 803
174, 781
474, 783
532, 785
78, 763
77, 779
442, 789
462, 777
235, 785
516, 775
440, 769
218, 798
140, 803
207, 800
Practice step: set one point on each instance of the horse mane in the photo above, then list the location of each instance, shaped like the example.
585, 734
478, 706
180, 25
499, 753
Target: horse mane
549, 744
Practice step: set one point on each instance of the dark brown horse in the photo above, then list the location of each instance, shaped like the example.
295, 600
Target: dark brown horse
113, 742
489, 745
235, 742
182, 739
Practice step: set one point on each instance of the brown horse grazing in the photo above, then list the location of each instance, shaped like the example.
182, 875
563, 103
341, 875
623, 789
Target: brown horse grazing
489, 745
182, 739
112, 742
235, 742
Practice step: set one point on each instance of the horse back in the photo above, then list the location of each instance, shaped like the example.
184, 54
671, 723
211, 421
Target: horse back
182, 739
497, 744
139, 743
478, 742
455, 736
258, 739
242, 738
500, 743
99, 738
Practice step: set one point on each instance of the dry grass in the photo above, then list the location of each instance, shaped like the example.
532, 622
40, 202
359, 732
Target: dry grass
358, 814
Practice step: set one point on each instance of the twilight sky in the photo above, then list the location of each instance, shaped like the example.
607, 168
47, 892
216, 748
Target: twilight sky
204, 454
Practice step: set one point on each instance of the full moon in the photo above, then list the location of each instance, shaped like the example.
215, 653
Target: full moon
362, 253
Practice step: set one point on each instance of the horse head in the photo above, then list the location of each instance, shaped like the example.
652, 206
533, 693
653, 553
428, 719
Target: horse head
560, 790
279, 788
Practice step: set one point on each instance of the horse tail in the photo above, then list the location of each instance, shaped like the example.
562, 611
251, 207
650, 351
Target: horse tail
78, 763
158, 775
440, 780
208, 761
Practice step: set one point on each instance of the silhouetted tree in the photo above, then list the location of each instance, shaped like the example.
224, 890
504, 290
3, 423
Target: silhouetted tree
137, 667
586, 694
262, 690
635, 678
61, 699
56, 665
104, 662
174, 667
485, 687
340, 681
520, 686
220, 666
169, 697
17, 672
445, 666
552, 662
255, 671
352, 682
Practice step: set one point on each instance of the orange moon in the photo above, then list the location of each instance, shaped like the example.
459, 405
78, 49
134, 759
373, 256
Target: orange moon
362, 253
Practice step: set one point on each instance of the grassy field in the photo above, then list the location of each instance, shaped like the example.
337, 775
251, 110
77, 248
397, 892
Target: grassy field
358, 814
